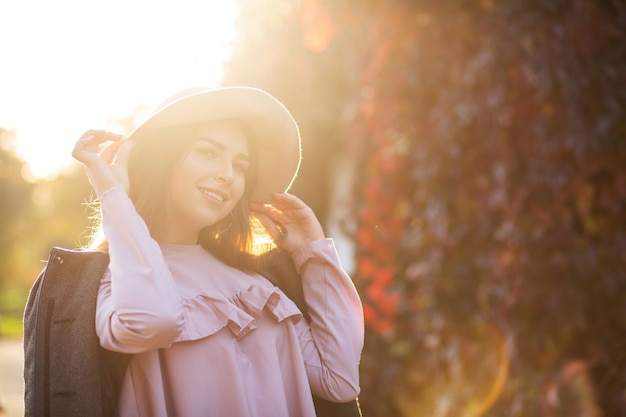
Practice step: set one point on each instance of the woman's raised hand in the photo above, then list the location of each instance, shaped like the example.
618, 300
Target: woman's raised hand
290, 221
105, 157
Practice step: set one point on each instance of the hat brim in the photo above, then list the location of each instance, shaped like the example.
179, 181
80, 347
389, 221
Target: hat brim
275, 132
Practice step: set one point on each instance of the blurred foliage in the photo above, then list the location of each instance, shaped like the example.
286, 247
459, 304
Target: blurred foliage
490, 192
33, 218
12, 303
11, 326
16, 197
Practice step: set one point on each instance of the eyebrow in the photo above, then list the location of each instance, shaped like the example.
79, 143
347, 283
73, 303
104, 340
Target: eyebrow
222, 147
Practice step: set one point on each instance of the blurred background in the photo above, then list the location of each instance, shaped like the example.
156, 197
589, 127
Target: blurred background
469, 157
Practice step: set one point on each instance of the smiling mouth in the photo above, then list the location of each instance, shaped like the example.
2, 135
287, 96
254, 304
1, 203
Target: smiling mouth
214, 195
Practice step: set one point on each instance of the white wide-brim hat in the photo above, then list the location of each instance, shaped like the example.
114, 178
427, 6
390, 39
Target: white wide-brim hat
275, 133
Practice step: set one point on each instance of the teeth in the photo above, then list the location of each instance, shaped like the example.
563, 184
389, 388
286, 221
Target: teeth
214, 195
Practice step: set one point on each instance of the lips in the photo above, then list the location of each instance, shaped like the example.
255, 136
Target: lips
214, 194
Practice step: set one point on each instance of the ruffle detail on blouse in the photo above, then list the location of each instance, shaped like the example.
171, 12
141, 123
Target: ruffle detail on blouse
207, 313
257, 298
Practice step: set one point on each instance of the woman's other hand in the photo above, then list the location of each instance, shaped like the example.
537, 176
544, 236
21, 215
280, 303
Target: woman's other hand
105, 157
291, 223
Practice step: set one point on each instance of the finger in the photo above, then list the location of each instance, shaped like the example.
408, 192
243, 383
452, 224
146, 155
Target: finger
265, 220
284, 201
91, 140
100, 136
88, 135
123, 154
87, 140
275, 229
267, 209
108, 152
84, 146
282, 234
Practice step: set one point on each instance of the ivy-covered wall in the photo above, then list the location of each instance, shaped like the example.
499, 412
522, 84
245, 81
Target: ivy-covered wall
489, 139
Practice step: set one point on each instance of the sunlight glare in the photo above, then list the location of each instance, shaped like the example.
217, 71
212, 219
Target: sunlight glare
73, 65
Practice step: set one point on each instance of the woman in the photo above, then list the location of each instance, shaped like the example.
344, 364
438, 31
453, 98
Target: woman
193, 206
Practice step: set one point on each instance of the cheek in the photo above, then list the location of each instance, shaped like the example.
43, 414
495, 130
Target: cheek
241, 188
174, 185
179, 184
173, 196
184, 171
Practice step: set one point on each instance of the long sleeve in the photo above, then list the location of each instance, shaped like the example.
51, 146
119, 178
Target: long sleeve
332, 342
236, 344
139, 307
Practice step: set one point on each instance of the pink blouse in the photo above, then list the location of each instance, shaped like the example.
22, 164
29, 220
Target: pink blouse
235, 344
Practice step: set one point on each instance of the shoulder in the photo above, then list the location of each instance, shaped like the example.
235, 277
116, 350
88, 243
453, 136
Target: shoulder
71, 260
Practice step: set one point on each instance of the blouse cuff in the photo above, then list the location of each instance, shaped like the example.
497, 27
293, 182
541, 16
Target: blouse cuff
320, 249
113, 190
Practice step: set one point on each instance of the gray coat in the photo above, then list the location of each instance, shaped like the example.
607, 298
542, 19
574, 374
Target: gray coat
66, 371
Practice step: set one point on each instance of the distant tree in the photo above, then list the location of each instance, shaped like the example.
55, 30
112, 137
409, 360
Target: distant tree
15, 210
34, 216
65, 205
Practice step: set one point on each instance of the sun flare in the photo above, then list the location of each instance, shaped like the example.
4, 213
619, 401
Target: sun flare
77, 65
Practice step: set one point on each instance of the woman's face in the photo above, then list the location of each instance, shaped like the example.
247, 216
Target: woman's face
208, 181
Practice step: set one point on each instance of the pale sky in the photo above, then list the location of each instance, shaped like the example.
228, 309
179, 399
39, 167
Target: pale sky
71, 65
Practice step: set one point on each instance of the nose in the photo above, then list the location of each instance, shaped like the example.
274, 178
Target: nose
225, 172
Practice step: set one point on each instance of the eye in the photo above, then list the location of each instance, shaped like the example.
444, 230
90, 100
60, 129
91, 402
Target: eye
205, 150
240, 167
